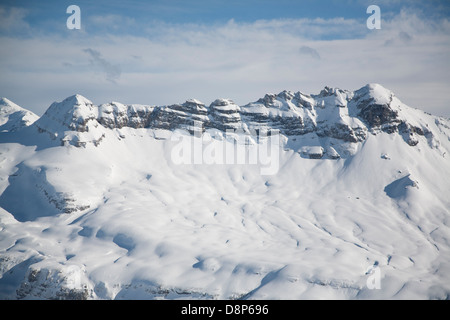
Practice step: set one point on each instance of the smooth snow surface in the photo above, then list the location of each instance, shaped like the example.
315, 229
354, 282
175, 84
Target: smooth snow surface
121, 220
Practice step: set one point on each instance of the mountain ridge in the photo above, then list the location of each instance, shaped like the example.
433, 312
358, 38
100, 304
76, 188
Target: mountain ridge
97, 202
346, 116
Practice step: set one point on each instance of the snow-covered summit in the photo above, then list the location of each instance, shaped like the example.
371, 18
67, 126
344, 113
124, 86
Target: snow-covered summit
73, 113
73, 120
14, 117
375, 92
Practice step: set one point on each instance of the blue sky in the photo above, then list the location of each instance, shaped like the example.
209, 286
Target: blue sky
216, 10
164, 52
49, 15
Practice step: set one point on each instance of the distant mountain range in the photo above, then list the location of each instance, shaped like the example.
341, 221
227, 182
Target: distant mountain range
94, 203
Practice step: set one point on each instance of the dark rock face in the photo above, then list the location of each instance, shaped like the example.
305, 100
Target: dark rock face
342, 132
327, 92
410, 133
286, 112
48, 284
179, 116
377, 115
224, 115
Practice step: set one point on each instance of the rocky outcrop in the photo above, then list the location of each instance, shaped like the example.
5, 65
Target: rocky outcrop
332, 114
180, 116
45, 282
225, 115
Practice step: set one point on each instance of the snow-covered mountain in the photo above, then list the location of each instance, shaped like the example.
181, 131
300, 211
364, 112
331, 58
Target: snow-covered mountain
136, 201
13, 117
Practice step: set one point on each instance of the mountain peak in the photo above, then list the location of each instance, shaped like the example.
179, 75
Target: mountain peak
222, 102
195, 102
375, 86
74, 113
6, 104
329, 91
376, 92
73, 103
77, 99
13, 117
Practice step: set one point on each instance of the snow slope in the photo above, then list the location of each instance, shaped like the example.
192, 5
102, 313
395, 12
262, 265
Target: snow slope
13, 117
95, 203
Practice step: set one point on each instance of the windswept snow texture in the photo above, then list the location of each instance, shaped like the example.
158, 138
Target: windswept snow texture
94, 203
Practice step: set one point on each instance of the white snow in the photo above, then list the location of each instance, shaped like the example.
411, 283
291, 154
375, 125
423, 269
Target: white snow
146, 227
14, 117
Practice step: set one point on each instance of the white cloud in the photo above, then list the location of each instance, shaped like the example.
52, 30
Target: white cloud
241, 61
